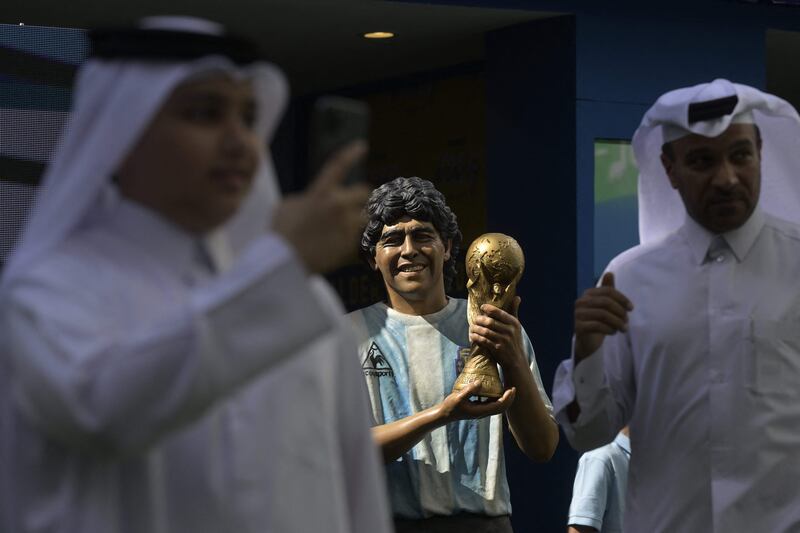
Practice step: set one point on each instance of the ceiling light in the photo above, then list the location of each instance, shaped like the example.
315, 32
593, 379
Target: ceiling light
379, 35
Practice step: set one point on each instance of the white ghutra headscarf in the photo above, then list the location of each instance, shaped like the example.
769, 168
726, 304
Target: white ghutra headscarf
116, 99
708, 109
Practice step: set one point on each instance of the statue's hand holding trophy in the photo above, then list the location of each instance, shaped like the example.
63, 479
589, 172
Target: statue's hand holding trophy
494, 266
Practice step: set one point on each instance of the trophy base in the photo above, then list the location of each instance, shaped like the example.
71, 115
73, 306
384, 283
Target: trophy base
491, 386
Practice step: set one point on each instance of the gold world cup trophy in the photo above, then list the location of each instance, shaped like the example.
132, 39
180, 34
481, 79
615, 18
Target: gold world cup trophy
494, 265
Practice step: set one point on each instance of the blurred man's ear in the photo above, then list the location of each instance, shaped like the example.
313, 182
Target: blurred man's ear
371, 261
447, 247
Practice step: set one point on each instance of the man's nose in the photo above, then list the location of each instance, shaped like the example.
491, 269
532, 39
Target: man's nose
409, 246
235, 135
726, 176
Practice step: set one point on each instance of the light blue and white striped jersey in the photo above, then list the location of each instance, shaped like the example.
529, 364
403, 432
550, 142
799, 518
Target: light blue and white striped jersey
410, 363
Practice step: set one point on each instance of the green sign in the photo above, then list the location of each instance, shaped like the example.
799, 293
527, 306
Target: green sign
615, 170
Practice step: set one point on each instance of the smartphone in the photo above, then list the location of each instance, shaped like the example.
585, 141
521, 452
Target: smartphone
336, 121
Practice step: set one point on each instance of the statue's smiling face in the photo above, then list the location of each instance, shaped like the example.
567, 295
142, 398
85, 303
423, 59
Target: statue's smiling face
410, 256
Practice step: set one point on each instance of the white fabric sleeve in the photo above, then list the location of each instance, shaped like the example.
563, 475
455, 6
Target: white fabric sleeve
361, 333
593, 480
84, 382
602, 384
367, 499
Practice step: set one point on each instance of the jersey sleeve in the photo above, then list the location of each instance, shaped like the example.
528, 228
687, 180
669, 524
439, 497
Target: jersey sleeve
590, 492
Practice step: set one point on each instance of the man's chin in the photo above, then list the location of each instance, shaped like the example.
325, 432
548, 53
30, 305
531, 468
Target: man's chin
412, 290
410, 287
724, 222
217, 216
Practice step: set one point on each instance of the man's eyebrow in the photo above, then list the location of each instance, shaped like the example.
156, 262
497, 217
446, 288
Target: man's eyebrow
413, 231
391, 233
742, 143
703, 150
421, 229
202, 94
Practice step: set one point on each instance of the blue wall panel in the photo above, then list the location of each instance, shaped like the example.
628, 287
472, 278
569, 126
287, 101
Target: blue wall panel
636, 58
595, 120
530, 187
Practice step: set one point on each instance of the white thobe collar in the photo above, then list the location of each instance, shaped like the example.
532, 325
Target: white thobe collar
740, 240
164, 240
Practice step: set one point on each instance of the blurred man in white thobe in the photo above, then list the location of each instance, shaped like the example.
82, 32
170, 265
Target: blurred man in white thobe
693, 337
171, 361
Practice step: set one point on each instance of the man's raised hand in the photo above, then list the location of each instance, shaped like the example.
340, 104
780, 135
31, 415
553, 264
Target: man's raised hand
323, 223
600, 311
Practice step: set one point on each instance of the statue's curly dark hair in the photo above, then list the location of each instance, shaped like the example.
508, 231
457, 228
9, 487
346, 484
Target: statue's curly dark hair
420, 200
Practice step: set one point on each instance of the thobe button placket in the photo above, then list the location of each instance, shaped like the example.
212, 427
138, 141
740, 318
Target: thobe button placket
722, 334
717, 250
201, 268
